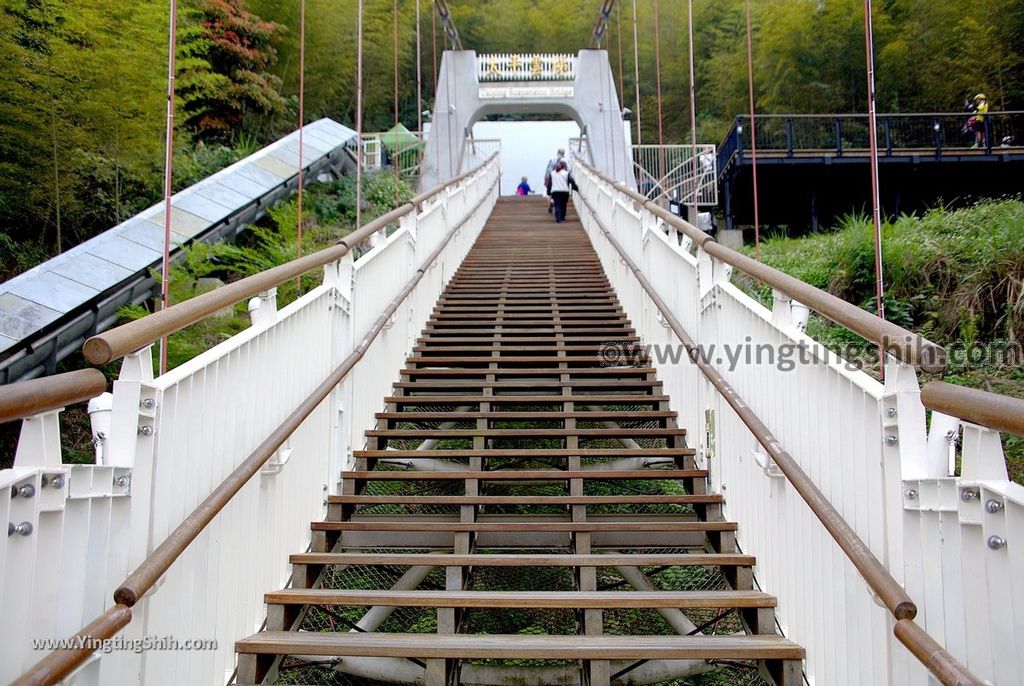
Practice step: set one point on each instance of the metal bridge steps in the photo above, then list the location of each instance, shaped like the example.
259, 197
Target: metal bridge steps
534, 599
522, 500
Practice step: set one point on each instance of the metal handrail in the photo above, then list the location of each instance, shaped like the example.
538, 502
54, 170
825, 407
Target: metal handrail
943, 665
906, 345
120, 341
58, 664
27, 398
929, 652
991, 410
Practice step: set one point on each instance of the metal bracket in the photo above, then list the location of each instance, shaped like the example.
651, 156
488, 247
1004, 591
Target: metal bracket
709, 300
766, 464
276, 463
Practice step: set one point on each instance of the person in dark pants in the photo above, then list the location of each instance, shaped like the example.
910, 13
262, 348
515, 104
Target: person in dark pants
561, 182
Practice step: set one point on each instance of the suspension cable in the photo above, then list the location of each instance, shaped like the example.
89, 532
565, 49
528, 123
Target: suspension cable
433, 49
419, 73
302, 121
753, 135
359, 115
395, 153
693, 116
601, 25
448, 24
657, 69
165, 291
636, 78
618, 32
876, 201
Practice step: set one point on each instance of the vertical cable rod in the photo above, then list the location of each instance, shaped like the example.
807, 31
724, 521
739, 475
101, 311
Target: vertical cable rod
419, 73
753, 134
657, 70
165, 286
693, 116
876, 202
359, 115
636, 78
396, 153
302, 121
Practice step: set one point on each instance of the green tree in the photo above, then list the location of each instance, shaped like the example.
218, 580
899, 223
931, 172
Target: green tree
225, 79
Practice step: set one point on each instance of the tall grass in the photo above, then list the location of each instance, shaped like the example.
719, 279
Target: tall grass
954, 276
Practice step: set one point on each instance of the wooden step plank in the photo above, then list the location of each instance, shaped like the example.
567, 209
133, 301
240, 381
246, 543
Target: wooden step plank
508, 359
595, 415
567, 339
525, 433
501, 345
520, 646
410, 524
527, 475
525, 599
540, 500
528, 453
529, 384
526, 560
528, 399
576, 372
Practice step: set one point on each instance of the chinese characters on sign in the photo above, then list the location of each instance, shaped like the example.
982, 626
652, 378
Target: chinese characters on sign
515, 67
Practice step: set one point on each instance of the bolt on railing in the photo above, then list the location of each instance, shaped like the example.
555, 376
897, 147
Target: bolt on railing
903, 609
58, 664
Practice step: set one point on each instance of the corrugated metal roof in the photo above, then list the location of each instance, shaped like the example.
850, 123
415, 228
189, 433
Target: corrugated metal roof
36, 298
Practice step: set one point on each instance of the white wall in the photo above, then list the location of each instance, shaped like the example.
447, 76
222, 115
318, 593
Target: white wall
526, 147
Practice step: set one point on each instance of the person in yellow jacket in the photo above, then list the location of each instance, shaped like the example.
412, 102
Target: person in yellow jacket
980, 110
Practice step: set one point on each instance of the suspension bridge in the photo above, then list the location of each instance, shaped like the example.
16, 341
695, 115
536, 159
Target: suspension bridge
466, 458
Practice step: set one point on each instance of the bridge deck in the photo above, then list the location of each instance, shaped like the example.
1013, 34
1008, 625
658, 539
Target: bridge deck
519, 500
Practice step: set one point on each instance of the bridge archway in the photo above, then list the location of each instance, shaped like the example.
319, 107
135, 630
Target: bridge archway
465, 96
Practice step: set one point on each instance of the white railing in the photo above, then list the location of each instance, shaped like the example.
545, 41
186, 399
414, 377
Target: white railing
516, 67
669, 171
581, 147
476, 150
174, 438
861, 442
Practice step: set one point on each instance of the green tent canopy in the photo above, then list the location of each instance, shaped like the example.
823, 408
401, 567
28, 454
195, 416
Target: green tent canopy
399, 138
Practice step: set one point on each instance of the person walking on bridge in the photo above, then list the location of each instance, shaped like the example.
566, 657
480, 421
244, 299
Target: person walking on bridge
980, 110
552, 163
561, 182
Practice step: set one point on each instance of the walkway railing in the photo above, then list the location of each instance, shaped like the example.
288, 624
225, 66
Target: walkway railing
838, 135
215, 469
668, 172
476, 150
832, 476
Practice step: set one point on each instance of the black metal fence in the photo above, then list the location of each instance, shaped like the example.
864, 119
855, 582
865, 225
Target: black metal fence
848, 134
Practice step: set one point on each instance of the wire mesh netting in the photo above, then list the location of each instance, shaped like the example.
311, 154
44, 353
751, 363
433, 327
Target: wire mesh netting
523, 620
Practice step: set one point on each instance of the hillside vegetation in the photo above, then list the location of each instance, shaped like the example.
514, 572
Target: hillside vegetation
955, 277
84, 83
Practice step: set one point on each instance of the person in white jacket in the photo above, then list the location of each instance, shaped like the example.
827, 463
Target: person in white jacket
561, 182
